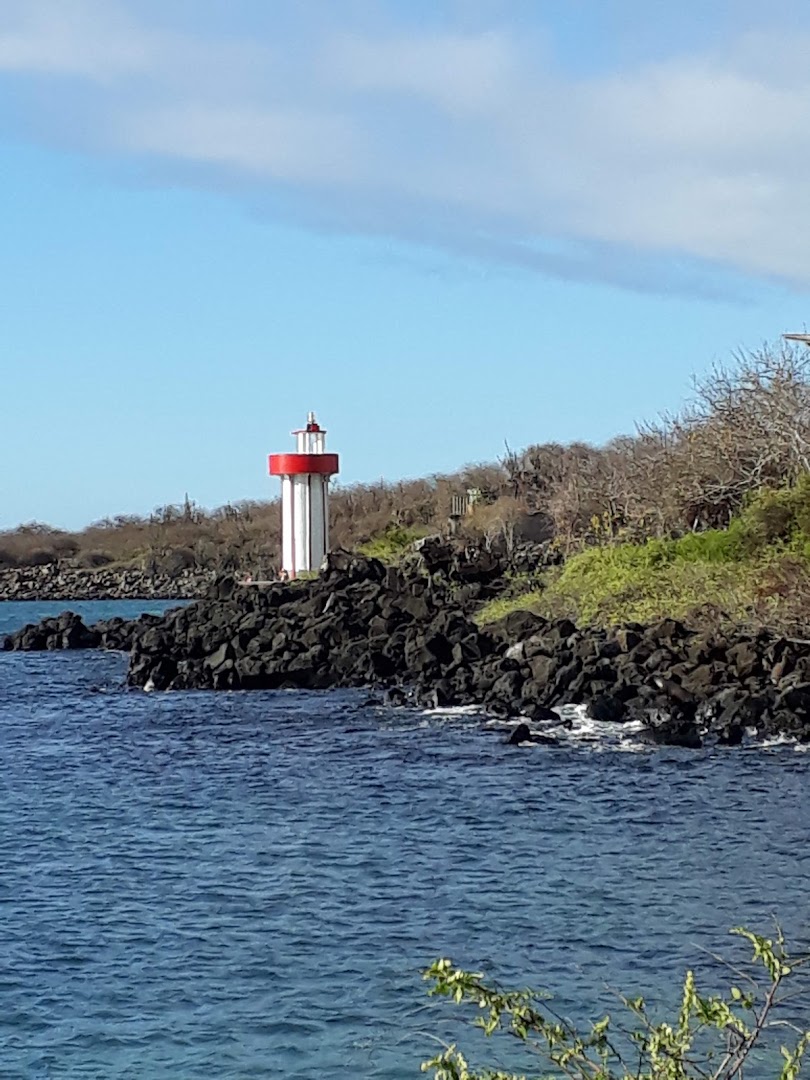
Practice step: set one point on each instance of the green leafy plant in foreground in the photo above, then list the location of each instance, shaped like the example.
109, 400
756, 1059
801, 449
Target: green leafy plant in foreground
712, 1037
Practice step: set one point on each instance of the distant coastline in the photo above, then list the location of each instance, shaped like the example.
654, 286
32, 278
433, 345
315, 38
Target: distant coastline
70, 583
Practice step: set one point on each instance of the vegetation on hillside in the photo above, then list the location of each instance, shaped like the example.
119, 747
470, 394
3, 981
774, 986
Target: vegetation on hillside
755, 571
760, 1023
670, 492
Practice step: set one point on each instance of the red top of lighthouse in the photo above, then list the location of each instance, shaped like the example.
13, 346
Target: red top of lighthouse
309, 458
302, 464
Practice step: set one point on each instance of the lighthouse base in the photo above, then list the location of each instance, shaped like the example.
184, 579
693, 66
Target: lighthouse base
305, 529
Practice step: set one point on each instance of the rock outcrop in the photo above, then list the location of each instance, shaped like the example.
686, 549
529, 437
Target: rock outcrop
68, 631
361, 623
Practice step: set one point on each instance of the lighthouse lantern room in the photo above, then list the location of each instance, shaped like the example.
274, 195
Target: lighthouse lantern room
305, 498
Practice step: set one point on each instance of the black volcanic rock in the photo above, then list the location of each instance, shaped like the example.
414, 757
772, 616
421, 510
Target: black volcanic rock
70, 583
360, 623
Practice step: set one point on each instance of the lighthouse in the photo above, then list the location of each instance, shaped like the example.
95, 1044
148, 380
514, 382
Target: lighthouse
304, 498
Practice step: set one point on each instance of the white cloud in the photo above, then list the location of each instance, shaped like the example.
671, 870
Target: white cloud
456, 73
293, 145
71, 37
475, 141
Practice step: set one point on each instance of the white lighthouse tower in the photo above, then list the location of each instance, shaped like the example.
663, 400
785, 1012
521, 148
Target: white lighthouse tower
305, 498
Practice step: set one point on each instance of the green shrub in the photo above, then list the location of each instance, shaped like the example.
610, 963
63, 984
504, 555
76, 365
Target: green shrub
712, 546
711, 1037
392, 544
776, 516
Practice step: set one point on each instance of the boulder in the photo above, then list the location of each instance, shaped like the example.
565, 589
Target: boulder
677, 729
607, 708
523, 734
541, 714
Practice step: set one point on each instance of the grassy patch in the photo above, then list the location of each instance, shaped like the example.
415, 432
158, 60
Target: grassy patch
757, 571
392, 544
630, 584
501, 606
634, 583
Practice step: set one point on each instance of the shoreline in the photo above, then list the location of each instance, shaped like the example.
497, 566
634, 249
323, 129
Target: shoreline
397, 630
61, 583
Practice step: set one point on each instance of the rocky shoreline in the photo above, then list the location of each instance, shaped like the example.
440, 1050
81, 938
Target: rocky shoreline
408, 631
54, 582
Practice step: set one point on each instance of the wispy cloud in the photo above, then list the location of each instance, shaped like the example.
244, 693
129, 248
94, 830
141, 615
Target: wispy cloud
82, 39
282, 143
666, 174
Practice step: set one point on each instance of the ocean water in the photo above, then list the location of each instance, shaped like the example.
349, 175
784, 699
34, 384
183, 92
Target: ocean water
226, 886
14, 615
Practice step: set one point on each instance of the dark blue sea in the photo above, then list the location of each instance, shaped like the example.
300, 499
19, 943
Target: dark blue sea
242, 885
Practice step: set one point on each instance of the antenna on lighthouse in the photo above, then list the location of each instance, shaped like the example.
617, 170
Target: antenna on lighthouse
305, 498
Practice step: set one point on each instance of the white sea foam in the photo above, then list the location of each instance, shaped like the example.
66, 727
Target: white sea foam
778, 742
498, 721
454, 710
576, 729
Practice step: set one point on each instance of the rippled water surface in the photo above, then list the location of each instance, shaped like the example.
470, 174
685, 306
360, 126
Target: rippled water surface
247, 885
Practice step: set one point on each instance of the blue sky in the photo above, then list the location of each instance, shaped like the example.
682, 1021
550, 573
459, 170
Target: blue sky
442, 225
